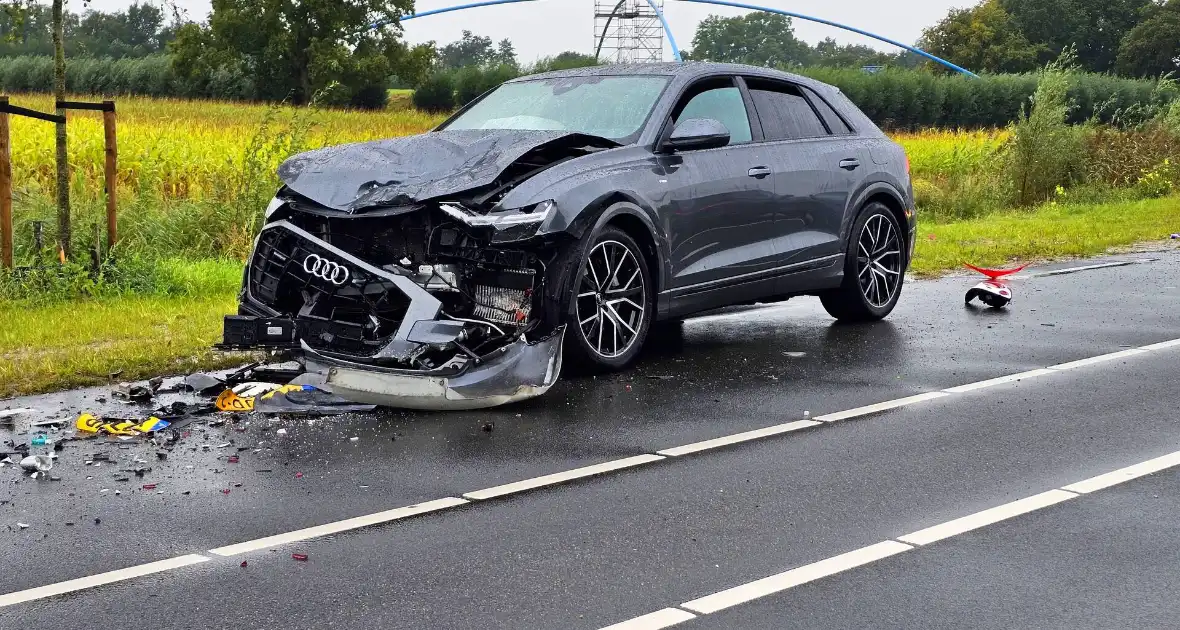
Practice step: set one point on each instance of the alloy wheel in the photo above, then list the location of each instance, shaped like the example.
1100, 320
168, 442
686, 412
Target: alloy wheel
878, 261
611, 299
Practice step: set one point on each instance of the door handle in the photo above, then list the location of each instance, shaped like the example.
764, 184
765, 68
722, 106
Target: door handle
758, 172
849, 164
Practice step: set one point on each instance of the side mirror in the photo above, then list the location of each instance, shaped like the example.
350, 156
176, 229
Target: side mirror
697, 133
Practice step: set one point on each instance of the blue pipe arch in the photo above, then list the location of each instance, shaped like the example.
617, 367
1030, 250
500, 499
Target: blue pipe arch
725, 3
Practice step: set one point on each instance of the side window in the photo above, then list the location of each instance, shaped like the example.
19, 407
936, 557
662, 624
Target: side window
835, 123
784, 111
723, 103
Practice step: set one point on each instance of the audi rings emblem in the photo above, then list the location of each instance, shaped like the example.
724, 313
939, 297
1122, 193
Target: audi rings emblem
335, 273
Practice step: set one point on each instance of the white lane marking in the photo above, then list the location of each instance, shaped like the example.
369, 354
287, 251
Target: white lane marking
986, 517
91, 581
1164, 345
1060, 272
665, 618
1102, 358
1125, 474
339, 526
881, 406
970, 387
561, 477
788, 579
738, 438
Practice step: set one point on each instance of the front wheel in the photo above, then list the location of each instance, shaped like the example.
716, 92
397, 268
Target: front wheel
874, 269
609, 302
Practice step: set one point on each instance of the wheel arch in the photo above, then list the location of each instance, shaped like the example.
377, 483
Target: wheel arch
887, 196
629, 214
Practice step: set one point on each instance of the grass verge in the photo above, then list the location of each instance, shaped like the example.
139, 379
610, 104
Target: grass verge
46, 347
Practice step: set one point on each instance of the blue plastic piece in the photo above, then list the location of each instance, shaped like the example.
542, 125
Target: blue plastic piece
725, 3
916, 51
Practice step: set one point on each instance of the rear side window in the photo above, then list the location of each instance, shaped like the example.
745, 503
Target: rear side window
835, 123
723, 103
785, 112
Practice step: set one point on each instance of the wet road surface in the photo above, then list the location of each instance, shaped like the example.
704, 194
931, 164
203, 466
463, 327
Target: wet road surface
599, 551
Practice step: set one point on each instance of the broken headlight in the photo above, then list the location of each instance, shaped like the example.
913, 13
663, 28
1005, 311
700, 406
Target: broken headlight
508, 225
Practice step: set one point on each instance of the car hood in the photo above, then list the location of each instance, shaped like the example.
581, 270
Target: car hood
411, 169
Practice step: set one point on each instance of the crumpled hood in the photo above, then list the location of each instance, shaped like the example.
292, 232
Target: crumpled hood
402, 171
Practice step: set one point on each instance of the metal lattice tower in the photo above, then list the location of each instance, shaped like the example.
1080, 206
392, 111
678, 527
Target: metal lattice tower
628, 31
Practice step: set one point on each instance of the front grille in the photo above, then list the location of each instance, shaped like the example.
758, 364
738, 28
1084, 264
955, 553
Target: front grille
357, 317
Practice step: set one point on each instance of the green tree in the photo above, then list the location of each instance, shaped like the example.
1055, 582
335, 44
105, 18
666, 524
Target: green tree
1153, 47
759, 39
563, 61
470, 50
1095, 28
831, 53
297, 48
983, 38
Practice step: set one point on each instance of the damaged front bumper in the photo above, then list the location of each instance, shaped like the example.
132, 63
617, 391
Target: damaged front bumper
381, 335
519, 371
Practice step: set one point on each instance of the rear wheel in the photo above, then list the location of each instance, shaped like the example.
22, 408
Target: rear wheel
608, 301
874, 269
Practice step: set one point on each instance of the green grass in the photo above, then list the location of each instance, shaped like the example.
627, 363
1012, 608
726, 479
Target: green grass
1048, 233
57, 345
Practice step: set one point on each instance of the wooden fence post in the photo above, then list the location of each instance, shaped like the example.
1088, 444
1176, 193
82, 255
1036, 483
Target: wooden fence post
5, 188
112, 173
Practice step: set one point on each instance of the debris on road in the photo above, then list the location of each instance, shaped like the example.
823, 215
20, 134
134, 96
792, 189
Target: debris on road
203, 383
37, 463
993, 292
89, 423
8, 413
305, 399
302, 557
23, 525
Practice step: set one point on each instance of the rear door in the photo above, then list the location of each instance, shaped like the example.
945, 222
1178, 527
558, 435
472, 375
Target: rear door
816, 168
720, 211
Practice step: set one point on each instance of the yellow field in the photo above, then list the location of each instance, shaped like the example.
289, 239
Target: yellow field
176, 150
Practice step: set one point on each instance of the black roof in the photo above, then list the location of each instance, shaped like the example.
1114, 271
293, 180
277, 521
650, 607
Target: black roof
689, 69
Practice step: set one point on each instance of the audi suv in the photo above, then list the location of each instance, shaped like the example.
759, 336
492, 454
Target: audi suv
558, 216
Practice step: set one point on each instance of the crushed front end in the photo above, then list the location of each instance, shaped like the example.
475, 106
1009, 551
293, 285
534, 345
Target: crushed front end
430, 305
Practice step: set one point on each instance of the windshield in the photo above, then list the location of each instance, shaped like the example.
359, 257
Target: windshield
613, 107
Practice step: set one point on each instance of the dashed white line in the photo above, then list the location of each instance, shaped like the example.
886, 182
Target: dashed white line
665, 618
1125, 474
738, 438
561, 477
1089, 485
1011, 378
1102, 358
790, 579
881, 406
986, 517
339, 526
91, 581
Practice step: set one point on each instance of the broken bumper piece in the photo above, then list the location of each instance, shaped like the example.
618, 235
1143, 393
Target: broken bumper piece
519, 371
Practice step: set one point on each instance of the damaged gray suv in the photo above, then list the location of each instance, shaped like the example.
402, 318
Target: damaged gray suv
558, 216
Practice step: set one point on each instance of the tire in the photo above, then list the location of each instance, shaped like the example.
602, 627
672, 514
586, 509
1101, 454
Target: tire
605, 327
871, 297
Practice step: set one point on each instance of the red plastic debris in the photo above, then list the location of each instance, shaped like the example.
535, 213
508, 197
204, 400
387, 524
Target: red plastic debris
299, 475
243, 565
995, 274
627, 387
149, 486
225, 491
302, 557
233, 459
521, 315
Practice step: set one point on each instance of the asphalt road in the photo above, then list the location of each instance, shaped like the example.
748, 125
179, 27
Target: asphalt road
606, 549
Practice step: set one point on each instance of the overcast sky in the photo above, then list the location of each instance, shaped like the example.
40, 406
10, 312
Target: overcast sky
548, 27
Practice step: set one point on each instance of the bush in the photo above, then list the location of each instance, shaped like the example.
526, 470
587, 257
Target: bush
471, 82
436, 94
1045, 153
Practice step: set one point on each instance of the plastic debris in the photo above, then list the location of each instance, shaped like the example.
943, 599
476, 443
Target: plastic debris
134, 392
354, 439
203, 383
23, 525
302, 557
233, 459
306, 399
37, 463
89, 423
993, 292
39, 440
1176, 236
8, 413
243, 565
149, 486
281, 432
299, 475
